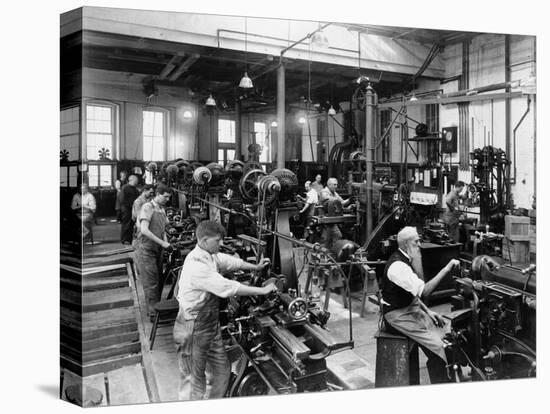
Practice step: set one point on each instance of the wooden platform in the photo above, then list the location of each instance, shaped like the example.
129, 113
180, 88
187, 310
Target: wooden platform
99, 330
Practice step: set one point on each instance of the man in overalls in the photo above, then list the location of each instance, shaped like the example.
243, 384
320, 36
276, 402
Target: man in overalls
150, 241
197, 329
451, 217
402, 305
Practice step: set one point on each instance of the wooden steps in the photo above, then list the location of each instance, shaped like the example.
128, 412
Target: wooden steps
99, 329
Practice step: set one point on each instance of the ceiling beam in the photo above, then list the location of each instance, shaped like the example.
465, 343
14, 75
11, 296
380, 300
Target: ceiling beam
171, 65
187, 63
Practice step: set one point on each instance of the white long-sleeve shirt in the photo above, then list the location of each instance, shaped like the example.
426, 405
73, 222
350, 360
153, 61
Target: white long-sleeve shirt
200, 275
86, 201
403, 276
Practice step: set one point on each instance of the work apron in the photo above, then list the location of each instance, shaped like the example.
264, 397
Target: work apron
414, 323
199, 344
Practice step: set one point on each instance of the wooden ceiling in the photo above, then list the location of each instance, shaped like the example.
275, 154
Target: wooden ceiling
204, 70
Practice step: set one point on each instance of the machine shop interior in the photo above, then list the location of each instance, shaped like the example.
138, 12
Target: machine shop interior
430, 129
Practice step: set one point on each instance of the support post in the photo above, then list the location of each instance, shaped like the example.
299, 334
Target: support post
281, 135
370, 130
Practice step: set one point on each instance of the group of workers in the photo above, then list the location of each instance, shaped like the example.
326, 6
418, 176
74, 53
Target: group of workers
197, 333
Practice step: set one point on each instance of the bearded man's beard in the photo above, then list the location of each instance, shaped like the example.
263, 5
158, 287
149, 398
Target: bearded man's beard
416, 263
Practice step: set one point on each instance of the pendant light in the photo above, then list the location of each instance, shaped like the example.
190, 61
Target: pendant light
210, 101
331, 111
245, 82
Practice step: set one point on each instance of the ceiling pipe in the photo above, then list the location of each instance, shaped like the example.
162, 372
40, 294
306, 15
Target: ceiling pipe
308, 36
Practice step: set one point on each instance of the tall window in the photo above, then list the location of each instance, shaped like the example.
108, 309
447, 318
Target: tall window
154, 135
226, 140
70, 133
99, 131
262, 138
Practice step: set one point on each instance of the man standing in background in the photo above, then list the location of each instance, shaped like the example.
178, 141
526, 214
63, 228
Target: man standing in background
452, 213
118, 185
128, 194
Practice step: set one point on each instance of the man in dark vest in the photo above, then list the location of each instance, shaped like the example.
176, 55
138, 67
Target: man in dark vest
128, 195
402, 304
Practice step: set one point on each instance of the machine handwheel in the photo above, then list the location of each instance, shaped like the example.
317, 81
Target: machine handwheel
248, 187
252, 384
297, 309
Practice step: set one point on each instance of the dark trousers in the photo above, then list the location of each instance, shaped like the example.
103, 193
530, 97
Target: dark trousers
149, 264
127, 226
437, 368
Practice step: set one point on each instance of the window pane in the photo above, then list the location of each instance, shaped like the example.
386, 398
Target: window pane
154, 136
105, 173
226, 131
63, 176
70, 133
93, 176
230, 154
221, 159
99, 128
73, 175
96, 142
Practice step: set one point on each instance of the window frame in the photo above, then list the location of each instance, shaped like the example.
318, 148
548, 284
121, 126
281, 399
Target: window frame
165, 128
225, 146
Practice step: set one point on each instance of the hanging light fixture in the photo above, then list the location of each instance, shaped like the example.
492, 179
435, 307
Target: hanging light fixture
413, 98
302, 120
331, 111
274, 124
245, 82
210, 101
319, 39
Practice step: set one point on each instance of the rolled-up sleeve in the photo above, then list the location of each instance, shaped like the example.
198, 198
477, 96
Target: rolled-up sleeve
404, 277
204, 278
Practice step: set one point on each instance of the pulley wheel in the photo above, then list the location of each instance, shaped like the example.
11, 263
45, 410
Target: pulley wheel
247, 185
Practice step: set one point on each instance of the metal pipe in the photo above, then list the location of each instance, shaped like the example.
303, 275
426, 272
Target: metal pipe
301, 40
281, 127
370, 128
507, 114
514, 134
238, 130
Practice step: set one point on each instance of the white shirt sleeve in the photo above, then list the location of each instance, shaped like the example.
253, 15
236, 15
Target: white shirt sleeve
227, 263
211, 281
403, 276
312, 197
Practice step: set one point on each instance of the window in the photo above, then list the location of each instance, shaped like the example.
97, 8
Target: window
100, 175
70, 133
68, 176
226, 141
154, 135
262, 138
99, 131
226, 131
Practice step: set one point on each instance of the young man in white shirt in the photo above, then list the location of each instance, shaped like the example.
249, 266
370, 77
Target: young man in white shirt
197, 330
402, 302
